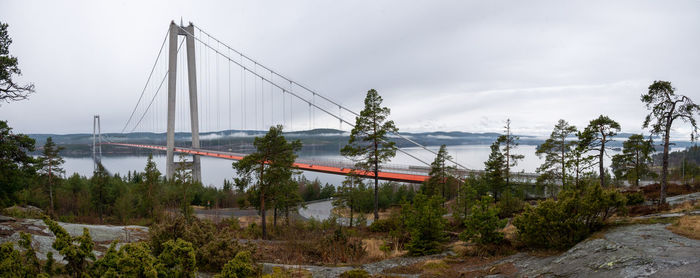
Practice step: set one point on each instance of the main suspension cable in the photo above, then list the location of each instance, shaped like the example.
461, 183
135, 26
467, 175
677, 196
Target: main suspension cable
290, 92
155, 63
156, 94
313, 92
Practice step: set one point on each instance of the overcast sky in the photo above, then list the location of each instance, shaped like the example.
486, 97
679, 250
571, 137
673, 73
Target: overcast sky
439, 65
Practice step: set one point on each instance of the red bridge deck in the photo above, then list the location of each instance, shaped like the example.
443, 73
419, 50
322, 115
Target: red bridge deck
401, 177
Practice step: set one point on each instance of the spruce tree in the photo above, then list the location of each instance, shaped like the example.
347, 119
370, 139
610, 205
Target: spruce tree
369, 144
441, 179
425, 223
494, 169
51, 162
150, 187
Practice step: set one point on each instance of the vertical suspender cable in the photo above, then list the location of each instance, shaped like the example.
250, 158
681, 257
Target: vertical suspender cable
218, 102
229, 95
262, 103
255, 94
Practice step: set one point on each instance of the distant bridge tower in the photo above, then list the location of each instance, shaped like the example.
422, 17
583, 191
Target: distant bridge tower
188, 32
96, 141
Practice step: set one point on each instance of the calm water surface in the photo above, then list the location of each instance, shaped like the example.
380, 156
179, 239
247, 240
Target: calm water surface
215, 170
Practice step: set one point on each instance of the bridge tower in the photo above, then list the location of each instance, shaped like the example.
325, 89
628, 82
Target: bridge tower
188, 32
96, 142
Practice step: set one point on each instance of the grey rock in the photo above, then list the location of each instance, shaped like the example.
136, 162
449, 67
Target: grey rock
630, 251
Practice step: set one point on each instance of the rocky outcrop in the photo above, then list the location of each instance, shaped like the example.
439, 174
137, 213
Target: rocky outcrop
42, 238
629, 251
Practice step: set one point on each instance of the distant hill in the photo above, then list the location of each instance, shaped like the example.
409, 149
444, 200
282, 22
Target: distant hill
328, 140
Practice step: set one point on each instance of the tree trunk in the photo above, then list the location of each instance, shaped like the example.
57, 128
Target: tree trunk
263, 213
638, 166
286, 215
262, 202
376, 179
50, 188
601, 167
563, 162
351, 216
274, 221
664, 167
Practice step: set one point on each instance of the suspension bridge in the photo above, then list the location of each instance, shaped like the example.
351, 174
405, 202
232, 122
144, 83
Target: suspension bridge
228, 90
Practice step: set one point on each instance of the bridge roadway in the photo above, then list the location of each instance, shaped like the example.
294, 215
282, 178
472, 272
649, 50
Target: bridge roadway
306, 166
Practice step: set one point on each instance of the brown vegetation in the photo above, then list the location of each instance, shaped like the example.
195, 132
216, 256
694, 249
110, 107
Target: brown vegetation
651, 192
688, 225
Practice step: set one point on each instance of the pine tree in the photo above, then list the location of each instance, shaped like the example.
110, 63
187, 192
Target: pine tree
346, 196
368, 145
667, 107
578, 159
16, 165
9, 90
509, 142
599, 132
482, 224
555, 150
51, 162
271, 163
633, 163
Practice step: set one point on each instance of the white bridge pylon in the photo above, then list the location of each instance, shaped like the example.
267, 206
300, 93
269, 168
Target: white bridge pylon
174, 33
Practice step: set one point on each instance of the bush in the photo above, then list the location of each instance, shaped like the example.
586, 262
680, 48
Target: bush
509, 205
382, 226
213, 246
333, 248
19, 264
76, 251
635, 198
177, 259
563, 223
426, 225
482, 224
240, 266
132, 260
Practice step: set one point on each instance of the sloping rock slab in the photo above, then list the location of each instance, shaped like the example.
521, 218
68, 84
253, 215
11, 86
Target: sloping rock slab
629, 251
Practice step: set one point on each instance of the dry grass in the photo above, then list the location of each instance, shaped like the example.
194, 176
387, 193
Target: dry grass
436, 267
373, 247
510, 232
688, 226
684, 207
290, 272
245, 221
345, 212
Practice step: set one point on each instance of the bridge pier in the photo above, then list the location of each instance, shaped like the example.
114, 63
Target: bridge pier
188, 32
